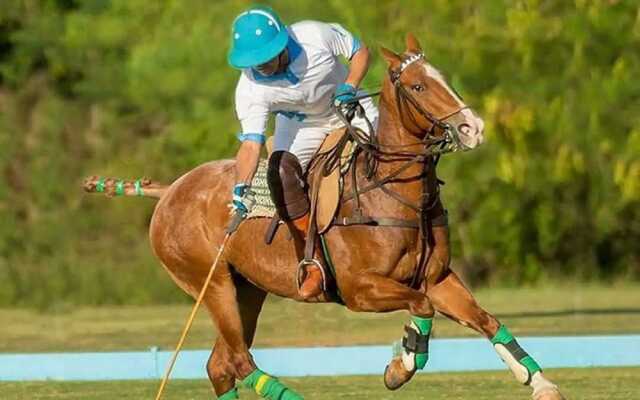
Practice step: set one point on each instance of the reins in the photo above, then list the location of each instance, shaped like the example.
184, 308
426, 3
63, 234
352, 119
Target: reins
431, 147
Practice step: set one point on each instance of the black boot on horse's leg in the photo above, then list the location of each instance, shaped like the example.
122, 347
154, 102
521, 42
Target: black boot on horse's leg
287, 187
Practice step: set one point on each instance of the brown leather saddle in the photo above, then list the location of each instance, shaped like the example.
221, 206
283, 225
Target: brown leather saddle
324, 179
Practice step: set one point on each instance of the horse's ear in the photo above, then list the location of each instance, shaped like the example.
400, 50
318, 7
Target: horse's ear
413, 46
392, 59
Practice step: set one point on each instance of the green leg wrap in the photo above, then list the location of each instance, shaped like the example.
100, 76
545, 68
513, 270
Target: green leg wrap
505, 338
424, 325
230, 395
414, 347
269, 387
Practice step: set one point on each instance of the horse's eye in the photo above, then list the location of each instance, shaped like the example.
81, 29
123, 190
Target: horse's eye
417, 88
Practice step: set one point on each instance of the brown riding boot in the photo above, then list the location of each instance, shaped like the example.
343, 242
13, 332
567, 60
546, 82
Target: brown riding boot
312, 284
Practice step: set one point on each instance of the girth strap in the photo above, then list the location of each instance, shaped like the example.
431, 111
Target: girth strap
376, 221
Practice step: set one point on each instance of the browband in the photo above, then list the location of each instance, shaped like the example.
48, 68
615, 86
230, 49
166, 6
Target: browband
410, 60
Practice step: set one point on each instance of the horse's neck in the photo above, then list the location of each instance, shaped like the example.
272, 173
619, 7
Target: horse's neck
390, 131
392, 136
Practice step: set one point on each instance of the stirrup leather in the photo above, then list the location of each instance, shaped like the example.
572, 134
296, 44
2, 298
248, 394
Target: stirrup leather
301, 272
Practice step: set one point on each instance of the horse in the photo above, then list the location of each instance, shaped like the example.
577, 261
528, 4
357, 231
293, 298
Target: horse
399, 262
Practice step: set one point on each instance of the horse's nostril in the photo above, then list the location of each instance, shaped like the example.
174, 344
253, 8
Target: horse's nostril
464, 128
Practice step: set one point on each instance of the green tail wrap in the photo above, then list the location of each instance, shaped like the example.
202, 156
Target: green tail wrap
100, 185
424, 325
505, 338
120, 188
269, 387
230, 395
138, 186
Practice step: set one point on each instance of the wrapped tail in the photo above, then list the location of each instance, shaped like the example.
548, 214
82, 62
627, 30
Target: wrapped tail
119, 187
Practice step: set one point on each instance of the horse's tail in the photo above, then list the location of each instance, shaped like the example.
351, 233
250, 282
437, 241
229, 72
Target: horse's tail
119, 187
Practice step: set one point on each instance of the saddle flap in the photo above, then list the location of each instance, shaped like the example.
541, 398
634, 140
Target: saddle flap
330, 189
328, 200
331, 141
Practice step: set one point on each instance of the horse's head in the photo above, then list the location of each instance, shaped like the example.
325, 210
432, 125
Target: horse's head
426, 105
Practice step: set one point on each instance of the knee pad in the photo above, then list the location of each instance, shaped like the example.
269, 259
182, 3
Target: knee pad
287, 186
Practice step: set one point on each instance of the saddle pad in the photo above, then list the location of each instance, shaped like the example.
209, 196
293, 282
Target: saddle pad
258, 198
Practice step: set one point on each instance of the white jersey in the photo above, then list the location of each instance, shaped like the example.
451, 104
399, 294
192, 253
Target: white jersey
303, 94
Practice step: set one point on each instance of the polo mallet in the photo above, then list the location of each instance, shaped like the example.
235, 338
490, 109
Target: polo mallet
233, 226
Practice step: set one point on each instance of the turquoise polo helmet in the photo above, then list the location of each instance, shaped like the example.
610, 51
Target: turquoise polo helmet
257, 36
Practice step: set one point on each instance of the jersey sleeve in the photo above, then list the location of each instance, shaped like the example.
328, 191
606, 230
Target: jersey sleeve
339, 40
252, 113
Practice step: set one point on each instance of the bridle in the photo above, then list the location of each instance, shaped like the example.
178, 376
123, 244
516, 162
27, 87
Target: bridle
431, 147
449, 141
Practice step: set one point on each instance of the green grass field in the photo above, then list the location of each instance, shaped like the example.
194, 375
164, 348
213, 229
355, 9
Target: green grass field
577, 384
566, 310
572, 310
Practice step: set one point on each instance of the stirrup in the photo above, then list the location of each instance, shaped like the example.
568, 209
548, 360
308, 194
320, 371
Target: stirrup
301, 271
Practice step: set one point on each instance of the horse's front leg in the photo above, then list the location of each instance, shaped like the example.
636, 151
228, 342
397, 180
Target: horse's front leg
415, 344
450, 297
376, 293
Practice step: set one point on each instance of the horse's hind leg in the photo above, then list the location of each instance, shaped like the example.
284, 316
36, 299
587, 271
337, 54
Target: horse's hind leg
236, 299
234, 304
221, 371
451, 298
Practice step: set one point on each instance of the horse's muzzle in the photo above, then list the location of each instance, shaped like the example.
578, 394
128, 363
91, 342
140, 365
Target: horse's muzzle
467, 129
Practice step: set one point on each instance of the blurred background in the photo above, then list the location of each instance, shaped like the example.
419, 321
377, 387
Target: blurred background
137, 88
545, 216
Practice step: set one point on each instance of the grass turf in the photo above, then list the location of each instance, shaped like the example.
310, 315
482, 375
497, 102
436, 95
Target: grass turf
593, 384
565, 310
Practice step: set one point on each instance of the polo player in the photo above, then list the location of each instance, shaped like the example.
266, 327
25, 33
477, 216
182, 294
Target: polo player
295, 73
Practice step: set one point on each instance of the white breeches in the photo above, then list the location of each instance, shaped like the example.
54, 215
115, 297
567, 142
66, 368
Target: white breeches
303, 138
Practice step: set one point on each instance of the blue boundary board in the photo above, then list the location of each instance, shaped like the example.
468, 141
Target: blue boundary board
445, 355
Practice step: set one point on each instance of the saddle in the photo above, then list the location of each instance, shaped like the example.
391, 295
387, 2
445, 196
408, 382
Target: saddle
324, 179
325, 184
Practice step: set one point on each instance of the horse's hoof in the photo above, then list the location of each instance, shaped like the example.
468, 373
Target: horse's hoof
548, 394
396, 375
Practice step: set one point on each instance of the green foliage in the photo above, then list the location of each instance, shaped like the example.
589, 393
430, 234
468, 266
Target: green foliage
138, 88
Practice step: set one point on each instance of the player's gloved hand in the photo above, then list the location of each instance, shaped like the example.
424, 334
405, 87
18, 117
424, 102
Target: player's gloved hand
344, 93
237, 204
